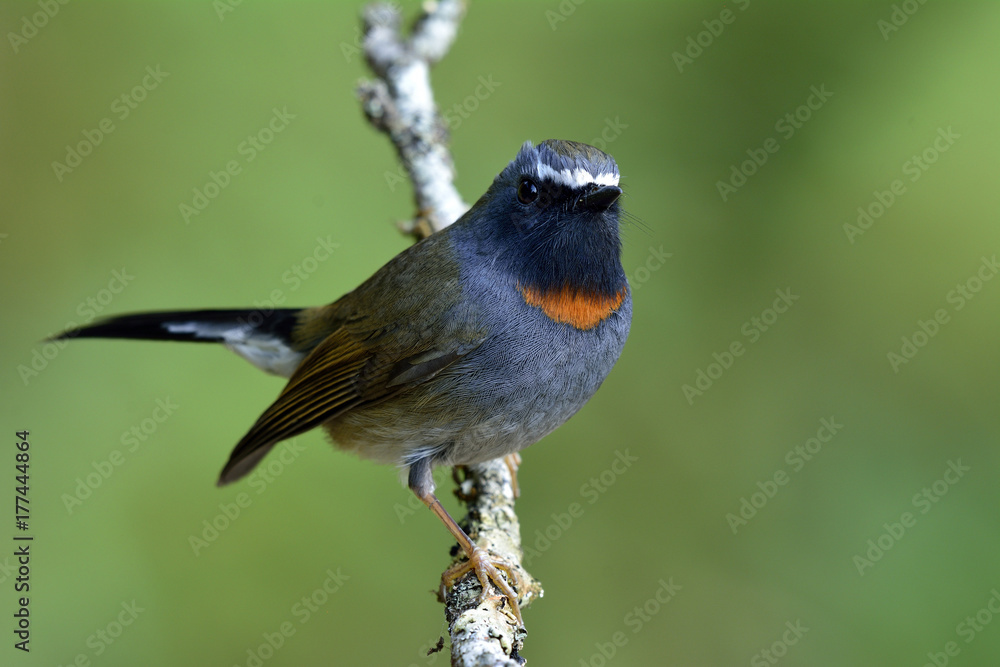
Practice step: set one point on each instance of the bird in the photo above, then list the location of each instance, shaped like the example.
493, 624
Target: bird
468, 346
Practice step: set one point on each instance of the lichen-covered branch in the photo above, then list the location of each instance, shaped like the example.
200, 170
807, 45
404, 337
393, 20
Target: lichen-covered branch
400, 102
486, 634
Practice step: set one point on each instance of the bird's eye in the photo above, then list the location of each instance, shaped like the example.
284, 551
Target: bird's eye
527, 191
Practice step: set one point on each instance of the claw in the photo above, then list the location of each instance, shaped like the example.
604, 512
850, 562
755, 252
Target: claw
487, 568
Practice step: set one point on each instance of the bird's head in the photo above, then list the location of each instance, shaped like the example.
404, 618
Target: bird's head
552, 219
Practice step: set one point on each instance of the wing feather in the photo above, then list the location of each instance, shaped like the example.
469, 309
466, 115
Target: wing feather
322, 386
338, 375
382, 338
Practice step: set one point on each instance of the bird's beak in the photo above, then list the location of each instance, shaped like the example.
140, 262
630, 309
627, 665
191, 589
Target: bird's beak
600, 199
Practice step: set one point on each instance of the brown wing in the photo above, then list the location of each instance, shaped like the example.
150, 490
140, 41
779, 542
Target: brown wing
363, 355
323, 385
339, 374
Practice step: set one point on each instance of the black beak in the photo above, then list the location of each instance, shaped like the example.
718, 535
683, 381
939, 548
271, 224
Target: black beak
601, 198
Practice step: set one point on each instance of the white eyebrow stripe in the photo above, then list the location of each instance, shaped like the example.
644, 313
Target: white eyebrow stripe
577, 178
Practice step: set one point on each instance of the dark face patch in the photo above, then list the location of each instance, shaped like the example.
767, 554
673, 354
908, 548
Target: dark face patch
554, 216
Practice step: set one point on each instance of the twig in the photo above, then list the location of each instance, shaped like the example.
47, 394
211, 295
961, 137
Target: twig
485, 634
400, 102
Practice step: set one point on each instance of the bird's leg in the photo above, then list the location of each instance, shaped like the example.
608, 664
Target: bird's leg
486, 566
513, 462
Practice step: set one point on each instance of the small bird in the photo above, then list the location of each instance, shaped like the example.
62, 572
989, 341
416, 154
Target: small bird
468, 346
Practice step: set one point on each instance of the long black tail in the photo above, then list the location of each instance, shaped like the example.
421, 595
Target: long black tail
264, 338
196, 326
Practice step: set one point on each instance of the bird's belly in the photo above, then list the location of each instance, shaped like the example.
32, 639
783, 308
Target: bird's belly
504, 396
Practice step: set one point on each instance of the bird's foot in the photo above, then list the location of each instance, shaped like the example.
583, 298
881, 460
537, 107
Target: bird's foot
487, 568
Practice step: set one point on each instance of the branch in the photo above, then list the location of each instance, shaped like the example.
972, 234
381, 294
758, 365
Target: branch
483, 635
400, 102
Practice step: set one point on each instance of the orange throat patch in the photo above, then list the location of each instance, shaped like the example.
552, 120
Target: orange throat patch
582, 310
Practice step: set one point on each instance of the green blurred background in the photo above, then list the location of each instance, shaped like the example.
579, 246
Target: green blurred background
596, 72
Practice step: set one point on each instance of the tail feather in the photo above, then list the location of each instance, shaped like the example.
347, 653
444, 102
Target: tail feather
199, 326
265, 339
